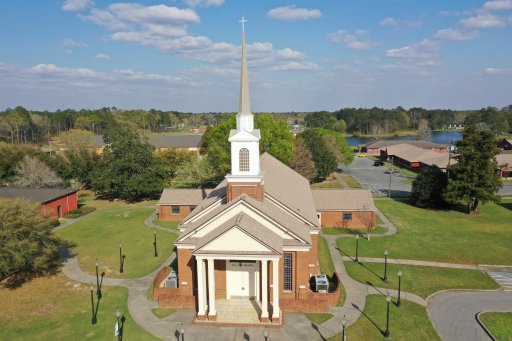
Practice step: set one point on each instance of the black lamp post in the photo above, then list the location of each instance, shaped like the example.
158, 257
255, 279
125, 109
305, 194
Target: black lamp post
357, 248
120, 257
386, 333
265, 334
93, 318
385, 266
399, 285
119, 329
182, 332
154, 242
98, 288
343, 330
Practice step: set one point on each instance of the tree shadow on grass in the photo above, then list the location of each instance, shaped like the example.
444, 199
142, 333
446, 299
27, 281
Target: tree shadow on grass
370, 270
506, 205
344, 253
368, 317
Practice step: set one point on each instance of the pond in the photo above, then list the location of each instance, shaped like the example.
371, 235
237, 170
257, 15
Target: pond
440, 137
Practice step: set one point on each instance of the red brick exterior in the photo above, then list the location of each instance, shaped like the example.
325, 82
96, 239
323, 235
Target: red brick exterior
255, 190
220, 278
186, 270
359, 219
67, 203
170, 297
165, 212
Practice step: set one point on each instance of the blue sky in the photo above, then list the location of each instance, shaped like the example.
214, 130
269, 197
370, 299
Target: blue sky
303, 55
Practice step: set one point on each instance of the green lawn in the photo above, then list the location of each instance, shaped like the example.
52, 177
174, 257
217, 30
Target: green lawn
99, 236
164, 312
318, 318
168, 224
88, 198
444, 236
327, 184
351, 182
57, 308
420, 280
324, 257
337, 230
499, 324
409, 322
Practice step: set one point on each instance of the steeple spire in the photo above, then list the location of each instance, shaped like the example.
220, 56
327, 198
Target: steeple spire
244, 117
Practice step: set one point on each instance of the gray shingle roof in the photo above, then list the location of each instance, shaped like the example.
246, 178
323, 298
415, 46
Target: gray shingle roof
179, 196
343, 200
175, 141
40, 195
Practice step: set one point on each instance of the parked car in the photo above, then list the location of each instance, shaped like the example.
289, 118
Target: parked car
378, 163
392, 171
362, 155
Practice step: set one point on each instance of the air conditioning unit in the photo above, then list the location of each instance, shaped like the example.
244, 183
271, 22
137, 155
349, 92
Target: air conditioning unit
172, 280
321, 283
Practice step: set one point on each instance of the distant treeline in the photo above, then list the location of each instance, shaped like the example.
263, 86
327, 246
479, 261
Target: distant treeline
22, 126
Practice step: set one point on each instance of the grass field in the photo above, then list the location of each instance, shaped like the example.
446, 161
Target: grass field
164, 312
337, 230
499, 324
99, 236
318, 318
420, 280
56, 308
168, 224
409, 322
351, 182
327, 184
443, 236
86, 197
327, 265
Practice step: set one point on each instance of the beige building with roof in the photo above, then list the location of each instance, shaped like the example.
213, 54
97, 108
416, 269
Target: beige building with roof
415, 158
251, 242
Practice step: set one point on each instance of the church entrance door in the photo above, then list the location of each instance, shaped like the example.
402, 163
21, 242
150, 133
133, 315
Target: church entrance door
242, 279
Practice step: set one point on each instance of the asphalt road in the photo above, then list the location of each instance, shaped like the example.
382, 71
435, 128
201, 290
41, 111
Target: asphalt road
375, 179
454, 313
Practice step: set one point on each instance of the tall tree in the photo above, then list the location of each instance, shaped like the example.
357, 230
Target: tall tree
27, 245
130, 170
33, 173
473, 179
429, 187
302, 160
193, 173
324, 158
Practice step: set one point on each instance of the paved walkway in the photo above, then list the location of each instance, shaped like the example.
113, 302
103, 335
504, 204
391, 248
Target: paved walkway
414, 262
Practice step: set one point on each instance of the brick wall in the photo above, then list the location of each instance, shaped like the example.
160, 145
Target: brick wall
335, 219
313, 265
170, 297
165, 212
220, 278
255, 190
186, 268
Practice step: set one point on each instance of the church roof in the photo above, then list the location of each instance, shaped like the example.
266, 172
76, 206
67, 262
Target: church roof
343, 200
251, 227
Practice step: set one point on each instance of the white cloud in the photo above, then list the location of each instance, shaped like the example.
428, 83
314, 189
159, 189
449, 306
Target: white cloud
425, 49
71, 43
204, 3
483, 21
290, 54
101, 56
104, 18
352, 41
497, 71
450, 34
76, 5
498, 5
293, 13
389, 21
159, 14
297, 66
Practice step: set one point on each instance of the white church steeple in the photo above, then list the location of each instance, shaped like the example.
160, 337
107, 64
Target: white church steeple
245, 176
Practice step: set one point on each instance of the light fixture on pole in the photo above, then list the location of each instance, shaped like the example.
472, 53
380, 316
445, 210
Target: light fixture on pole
399, 285
357, 248
386, 333
93, 318
385, 266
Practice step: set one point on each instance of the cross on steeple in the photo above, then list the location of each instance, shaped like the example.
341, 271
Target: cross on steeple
243, 21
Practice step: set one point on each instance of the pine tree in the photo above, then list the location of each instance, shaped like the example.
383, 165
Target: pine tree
428, 188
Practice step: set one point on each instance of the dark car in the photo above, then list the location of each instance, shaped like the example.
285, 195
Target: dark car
392, 171
378, 163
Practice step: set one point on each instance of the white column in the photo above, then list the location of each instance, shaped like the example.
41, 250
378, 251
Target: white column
275, 291
264, 288
211, 287
205, 288
200, 287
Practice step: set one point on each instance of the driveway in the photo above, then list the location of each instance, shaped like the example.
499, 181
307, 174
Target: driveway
454, 313
375, 178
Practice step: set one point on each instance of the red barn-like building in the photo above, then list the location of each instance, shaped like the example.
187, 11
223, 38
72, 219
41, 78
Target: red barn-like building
54, 201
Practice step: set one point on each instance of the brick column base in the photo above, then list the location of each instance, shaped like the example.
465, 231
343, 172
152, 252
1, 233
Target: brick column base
201, 317
264, 319
212, 317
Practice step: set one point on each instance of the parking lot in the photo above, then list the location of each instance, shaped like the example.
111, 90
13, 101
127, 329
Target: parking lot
376, 179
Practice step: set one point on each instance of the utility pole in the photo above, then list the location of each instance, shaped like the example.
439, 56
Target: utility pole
390, 176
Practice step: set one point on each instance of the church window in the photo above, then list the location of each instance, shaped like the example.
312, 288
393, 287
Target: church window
288, 271
243, 160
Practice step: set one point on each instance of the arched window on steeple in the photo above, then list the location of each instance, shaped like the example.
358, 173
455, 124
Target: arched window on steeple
243, 160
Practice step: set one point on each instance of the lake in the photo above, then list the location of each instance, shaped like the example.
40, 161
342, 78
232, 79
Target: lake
439, 137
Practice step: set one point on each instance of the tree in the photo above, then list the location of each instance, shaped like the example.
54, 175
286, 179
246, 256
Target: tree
217, 146
276, 138
367, 217
340, 126
27, 246
337, 145
429, 187
195, 172
76, 139
321, 119
81, 165
302, 160
324, 158
130, 170
33, 173
473, 179
173, 159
